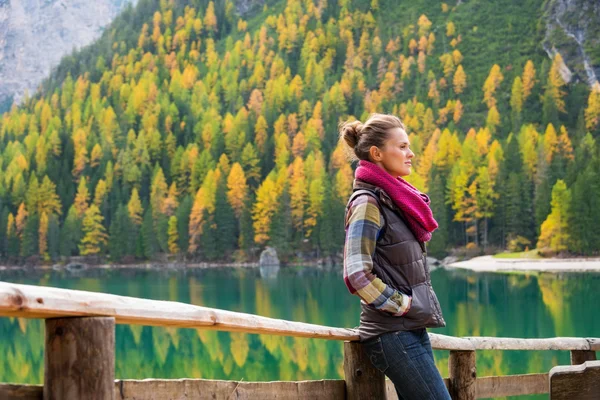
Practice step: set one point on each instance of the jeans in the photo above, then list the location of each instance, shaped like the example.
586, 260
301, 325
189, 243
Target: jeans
406, 358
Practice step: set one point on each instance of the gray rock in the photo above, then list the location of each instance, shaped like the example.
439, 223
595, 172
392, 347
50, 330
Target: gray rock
449, 260
36, 34
268, 257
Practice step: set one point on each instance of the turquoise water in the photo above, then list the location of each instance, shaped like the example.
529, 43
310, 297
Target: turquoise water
516, 305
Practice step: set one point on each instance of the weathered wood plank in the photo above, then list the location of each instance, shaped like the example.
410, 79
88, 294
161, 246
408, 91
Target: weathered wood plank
462, 375
180, 389
511, 385
155, 389
79, 358
45, 302
363, 380
581, 356
442, 342
581, 382
21, 392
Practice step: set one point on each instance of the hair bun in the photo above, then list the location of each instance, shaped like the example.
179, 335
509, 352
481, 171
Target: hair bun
351, 131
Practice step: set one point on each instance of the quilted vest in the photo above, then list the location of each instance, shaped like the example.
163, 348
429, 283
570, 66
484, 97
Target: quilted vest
400, 261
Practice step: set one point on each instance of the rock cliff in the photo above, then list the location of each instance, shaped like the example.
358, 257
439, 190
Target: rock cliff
35, 34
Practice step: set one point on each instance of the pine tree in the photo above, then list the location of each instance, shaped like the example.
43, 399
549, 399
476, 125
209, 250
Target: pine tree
134, 207
528, 79
237, 189
439, 240
82, 198
119, 235
95, 237
71, 233
173, 235
554, 233
460, 80
585, 205
150, 244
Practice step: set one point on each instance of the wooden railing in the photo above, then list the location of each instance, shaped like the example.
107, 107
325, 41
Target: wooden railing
79, 352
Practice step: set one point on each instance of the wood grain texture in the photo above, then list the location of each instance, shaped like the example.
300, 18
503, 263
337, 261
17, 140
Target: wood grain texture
581, 382
581, 356
462, 375
363, 380
45, 302
21, 392
79, 358
511, 385
180, 389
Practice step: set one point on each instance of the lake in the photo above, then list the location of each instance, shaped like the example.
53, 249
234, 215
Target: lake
474, 304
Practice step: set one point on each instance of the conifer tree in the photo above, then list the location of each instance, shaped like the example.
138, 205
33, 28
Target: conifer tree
95, 237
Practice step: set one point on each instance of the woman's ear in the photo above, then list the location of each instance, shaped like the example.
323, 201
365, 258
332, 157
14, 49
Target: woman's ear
375, 153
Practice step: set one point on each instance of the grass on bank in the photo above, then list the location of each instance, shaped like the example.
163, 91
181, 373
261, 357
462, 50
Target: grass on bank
531, 254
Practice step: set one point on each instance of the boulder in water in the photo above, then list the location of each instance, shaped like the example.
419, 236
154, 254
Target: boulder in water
269, 257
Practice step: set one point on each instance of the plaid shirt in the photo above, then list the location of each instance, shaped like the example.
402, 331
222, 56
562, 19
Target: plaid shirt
363, 227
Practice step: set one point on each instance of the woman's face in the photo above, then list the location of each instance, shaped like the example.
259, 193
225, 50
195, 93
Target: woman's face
395, 156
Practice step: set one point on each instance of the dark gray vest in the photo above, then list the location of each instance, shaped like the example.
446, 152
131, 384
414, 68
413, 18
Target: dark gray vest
400, 261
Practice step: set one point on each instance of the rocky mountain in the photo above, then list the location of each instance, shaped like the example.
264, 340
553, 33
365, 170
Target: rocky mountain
35, 34
572, 27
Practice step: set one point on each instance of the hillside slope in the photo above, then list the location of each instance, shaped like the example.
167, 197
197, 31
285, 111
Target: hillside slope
190, 131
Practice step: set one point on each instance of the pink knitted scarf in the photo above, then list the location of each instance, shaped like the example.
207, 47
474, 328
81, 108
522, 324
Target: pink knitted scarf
413, 203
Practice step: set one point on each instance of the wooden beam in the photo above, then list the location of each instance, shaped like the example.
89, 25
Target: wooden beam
581, 356
462, 375
45, 302
511, 385
581, 382
21, 392
79, 358
180, 389
363, 380
443, 342
151, 389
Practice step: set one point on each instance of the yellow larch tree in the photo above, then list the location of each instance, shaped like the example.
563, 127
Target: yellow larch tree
490, 85
528, 79
100, 193
82, 198
556, 82
237, 189
554, 233
134, 207
298, 193
592, 111
43, 236
95, 237
267, 197
173, 235
460, 80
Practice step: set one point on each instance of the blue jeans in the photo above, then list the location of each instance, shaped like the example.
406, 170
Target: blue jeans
407, 359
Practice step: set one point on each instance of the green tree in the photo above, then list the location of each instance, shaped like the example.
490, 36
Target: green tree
554, 233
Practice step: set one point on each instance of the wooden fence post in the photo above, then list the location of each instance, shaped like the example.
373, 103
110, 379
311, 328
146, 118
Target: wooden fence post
581, 356
462, 375
363, 380
79, 358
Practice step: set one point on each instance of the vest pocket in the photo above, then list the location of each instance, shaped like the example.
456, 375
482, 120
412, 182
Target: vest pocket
420, 312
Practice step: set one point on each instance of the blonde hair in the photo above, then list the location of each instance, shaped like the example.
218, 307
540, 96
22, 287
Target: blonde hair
374, 132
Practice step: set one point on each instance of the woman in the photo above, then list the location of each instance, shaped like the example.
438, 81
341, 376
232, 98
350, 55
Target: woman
387, 224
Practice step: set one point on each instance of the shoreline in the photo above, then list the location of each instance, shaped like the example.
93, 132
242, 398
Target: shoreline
81, 266
492, 264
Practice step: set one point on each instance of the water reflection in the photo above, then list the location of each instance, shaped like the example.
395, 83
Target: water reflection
474, 304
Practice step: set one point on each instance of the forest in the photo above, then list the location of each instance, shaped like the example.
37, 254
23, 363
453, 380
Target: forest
188, 132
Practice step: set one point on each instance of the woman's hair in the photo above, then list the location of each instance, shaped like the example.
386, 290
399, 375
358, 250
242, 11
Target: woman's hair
374, 132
